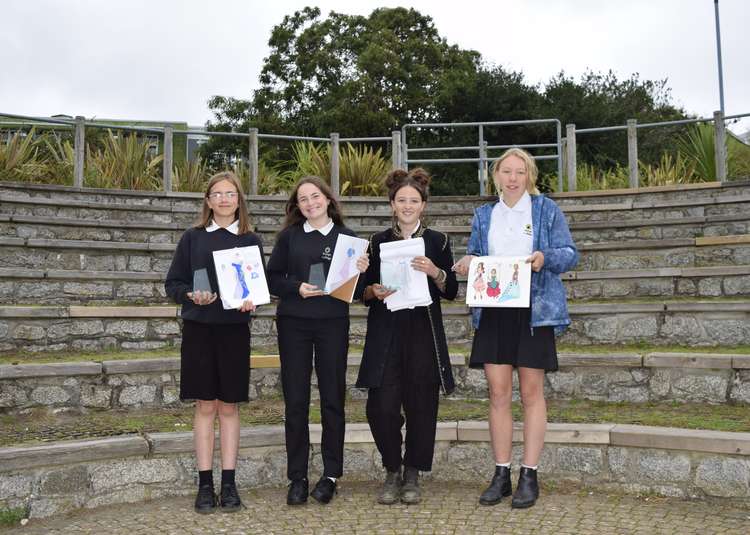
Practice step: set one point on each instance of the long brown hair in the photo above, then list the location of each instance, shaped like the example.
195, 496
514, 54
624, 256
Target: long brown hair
207, 214
294, 215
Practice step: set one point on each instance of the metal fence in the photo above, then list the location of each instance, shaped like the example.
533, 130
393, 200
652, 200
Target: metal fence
79, 124
632, 126
565, 148
482, 147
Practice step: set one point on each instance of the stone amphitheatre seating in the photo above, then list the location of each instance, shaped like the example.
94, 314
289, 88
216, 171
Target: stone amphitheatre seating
81, 271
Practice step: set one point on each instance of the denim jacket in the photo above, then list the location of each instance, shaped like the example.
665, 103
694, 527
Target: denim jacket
551, 237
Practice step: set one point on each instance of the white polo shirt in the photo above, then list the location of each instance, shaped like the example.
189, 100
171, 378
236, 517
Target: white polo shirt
510, 228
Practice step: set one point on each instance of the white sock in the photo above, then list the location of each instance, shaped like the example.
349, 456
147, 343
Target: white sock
504, 465
530, 467
332, 478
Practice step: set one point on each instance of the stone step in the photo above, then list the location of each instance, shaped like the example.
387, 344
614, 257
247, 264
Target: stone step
703, 323
154, 382
451, 211
55, 227
103, 255
52, 286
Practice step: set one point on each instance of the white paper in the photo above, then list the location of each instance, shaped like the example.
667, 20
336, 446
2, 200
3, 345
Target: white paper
395, 266
498, 281
241, 277
344, 261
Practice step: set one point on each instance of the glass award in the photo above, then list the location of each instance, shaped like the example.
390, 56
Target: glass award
317, 276
200, 281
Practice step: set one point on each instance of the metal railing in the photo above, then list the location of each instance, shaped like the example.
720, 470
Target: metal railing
632, 126
79, 125
482, 147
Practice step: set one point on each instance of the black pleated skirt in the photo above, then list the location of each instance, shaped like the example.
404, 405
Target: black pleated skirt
505, 336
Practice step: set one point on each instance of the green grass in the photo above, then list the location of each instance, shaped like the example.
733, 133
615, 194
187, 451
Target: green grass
11, 517
40, 426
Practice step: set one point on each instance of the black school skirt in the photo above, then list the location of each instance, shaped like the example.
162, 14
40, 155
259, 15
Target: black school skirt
505, 336
215, 361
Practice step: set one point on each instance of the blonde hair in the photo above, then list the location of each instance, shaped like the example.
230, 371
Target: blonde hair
241, 213
531, 170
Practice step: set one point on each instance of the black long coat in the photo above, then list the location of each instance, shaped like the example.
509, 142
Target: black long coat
381, 322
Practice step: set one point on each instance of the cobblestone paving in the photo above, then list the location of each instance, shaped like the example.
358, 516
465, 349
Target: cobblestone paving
447, 508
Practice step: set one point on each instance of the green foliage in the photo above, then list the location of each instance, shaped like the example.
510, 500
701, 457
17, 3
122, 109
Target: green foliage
19, 158
669, 171
697, 146
124, 162
60, 161
11, 517
589, 178
190, 175
362, 171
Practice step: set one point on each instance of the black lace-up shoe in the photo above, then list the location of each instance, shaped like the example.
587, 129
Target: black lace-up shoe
229, 501
298, 490
205, 501
324, 490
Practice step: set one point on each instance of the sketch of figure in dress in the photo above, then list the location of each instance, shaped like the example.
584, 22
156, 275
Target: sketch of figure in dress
512, 290
241, 290
479, 285
493, 286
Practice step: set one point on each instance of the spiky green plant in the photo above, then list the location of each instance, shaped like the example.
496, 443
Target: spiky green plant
697, 147
670, 170
60, 161
190, 175
124, 162
19, 158
589, 177
362, 171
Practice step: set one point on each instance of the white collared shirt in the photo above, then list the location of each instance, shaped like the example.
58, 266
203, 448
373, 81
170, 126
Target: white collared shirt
234, 228
413, 232
324, 230
510, 228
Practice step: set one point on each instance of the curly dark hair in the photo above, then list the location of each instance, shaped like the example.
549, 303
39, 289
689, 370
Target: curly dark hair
417, 178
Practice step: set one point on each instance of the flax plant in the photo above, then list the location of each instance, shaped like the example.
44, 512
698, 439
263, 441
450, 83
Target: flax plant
19, 158
123, 162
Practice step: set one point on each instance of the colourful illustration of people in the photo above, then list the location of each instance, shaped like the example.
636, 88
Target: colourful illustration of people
493, 286
479, 283
512, 290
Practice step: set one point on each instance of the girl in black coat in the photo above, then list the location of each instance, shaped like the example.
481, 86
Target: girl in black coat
405, 361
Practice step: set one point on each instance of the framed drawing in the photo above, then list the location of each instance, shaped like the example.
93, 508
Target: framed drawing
498, 281
241, 277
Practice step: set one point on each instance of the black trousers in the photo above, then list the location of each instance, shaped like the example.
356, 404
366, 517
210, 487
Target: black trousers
410, 381
304, 343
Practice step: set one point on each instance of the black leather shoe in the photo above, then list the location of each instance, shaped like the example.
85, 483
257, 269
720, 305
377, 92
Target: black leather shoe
205, 501
527, 490
324, 490
298, 490
499, 487
229, 501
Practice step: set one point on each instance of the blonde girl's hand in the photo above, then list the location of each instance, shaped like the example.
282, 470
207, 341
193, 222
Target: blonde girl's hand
536, 260
247, 306
202, 297
425, 265
363, 262
462, 266
309, 290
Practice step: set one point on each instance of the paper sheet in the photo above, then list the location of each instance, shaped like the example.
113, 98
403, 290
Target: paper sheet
396, 272
241, 277
498, 281
343, 274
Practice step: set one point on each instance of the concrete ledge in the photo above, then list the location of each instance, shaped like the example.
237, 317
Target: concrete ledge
616, 308
722, 240
124, 311
670, 438
33, 312
473, 431
72, 452
741, 362
627, 360
688, 360
708, 306
141, 365
103, 275
18, 371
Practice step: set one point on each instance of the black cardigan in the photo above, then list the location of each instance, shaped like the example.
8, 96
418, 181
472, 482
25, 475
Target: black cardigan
380, 321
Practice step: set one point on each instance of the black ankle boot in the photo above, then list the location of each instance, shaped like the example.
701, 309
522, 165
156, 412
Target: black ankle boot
499, 487
527, 490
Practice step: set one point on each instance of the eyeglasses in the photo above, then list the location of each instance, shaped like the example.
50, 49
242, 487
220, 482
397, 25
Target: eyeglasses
216, 195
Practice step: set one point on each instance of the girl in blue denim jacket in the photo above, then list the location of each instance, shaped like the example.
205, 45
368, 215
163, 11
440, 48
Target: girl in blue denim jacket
521, 223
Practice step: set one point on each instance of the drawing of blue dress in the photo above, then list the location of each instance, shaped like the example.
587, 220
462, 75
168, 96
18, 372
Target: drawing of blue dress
241, 290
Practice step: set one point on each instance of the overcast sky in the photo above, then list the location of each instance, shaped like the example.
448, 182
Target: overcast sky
163, 59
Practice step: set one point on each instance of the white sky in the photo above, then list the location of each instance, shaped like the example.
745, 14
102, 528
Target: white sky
163, 59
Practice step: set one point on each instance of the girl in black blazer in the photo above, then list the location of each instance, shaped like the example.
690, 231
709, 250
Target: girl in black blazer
405, 361
313, 329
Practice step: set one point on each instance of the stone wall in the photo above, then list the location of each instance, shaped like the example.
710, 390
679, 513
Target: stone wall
121, 384
56, 478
